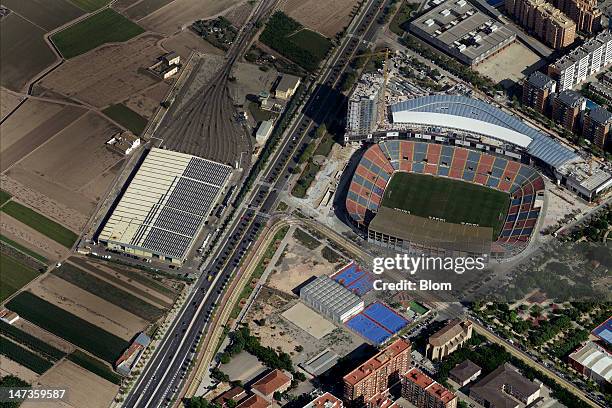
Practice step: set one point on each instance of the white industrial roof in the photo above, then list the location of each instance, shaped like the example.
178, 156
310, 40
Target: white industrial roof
166, 202
463, 123
596, 359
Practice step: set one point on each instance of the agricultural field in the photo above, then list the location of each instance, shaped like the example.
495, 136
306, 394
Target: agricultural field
23, 249
282, 34
90, 5
83, 385
146, 103
40, 223
157, 289
48, 15
68, 326
327, 18
8, 101
126, 117
23, 52
24, 356
101, 28
4, 197
94, 365
120, 73
177, 16
31, 342
15, 275
32, 125
452, 200
71, 168
23, 236
108, 292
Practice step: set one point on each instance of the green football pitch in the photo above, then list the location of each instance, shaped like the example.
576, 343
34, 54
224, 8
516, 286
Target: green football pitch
452, 200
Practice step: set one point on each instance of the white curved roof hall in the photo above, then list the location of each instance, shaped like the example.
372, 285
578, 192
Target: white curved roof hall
475, 116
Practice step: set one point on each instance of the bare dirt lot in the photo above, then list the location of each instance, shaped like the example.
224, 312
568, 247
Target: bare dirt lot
250, 80
89, 307
120, 72
30, 126
84, 388
513, 63
31, 238
328, 17
23, 51
297, 265
146, 103
8, 101
187, 41
179, 14
9, 367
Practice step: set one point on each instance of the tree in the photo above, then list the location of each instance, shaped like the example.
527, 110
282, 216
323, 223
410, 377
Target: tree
299, 348
278, 396
219, 375
225, 358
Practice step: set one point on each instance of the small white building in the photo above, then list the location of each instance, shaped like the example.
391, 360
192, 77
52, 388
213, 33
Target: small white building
287, 86
169, 71
171, 58
8, 316
264, 131
331, 299
124, 142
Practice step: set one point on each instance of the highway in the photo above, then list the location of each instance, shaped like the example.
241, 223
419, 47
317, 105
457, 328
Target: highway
165, 373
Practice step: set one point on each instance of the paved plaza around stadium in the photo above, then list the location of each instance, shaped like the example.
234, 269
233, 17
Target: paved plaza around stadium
452, 200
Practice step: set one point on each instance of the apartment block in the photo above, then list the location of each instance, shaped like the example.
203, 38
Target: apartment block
378, 373
584, 13
448, 339
537, 89
580, 63
363, 110
543, 20
423, 392
596, 127
567, 107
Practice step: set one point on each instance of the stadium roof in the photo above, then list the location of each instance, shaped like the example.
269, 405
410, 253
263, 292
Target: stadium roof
428, 232
166, 203
472, 115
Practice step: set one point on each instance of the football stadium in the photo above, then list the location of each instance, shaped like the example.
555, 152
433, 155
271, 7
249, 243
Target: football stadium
419, 196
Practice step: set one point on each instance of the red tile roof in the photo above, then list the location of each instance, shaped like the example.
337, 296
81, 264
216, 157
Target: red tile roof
254, 401
376, 362
271, 382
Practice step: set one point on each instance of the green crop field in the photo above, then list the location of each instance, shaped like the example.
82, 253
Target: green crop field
94, 365
127, 117
90, 5
4, 197
33, 343
64, 324
108, 292
286, 36
40, 223
15, 275
101, 28
312, 42
452, 200
24, 356
23, 249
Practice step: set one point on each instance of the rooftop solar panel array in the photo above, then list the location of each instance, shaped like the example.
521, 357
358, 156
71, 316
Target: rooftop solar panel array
542, 147
166, 203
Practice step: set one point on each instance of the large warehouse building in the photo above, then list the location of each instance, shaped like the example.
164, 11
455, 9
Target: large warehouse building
165, 205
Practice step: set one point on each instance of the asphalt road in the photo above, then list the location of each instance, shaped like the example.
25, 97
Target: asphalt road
165, 374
